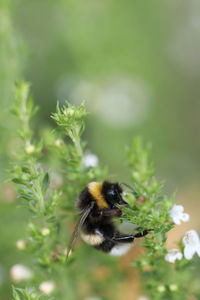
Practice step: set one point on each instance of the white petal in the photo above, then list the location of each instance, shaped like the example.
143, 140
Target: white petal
185, 217
189, 252
170, 258
176, 220
195, 235
176, 213
179, 256
176, 209
185, 240
173, 255
179, 208
191, 238
90, 160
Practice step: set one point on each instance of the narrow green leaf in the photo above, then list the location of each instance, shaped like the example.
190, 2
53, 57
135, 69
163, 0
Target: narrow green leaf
45, 182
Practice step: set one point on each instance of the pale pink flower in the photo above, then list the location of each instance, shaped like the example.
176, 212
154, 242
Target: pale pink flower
20, 272
47, 287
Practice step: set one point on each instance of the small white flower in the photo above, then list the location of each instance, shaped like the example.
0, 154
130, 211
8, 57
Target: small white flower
173, 255
20, 272
90, 160
45, 231
47, 287
192, 244
177, 214
21, 245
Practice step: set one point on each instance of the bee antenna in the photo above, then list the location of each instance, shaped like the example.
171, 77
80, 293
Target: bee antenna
127, 185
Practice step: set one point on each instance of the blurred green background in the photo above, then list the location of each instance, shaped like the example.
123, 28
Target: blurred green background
137, 66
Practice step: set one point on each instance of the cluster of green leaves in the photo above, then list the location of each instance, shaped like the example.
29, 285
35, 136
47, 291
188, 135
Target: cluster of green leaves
33, 181
71, 120
38, 165
150, 210
147, 208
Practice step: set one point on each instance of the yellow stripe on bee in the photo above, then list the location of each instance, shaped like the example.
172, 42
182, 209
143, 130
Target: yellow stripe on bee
95, 189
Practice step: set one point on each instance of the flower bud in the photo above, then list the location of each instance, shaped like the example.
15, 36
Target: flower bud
58, 142
173, 287
47, 287
161, 288
30, 149
21, 245
45, 231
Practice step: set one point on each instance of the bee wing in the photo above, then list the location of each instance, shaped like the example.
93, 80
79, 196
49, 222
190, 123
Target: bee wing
78, 227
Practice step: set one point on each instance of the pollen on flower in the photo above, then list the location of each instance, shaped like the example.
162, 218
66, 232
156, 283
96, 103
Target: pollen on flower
173, 255
191, 242
177, 214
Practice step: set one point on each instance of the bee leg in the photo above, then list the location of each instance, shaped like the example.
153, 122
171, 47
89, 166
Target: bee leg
141, 234
124, 239
111, 212
106, 246
129, 238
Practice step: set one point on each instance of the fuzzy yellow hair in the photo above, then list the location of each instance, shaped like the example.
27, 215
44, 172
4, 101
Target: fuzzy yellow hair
95, 189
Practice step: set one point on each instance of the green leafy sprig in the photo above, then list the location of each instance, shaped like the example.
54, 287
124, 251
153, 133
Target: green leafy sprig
149, 210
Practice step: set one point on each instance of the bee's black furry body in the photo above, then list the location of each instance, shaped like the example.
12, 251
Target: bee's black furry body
98, 228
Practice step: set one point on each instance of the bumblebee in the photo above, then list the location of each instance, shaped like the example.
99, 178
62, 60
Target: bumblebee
98, 205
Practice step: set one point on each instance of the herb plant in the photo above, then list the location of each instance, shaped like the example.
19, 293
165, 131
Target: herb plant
49, 168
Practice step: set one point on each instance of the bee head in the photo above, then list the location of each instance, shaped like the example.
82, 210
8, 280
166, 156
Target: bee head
112, 193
